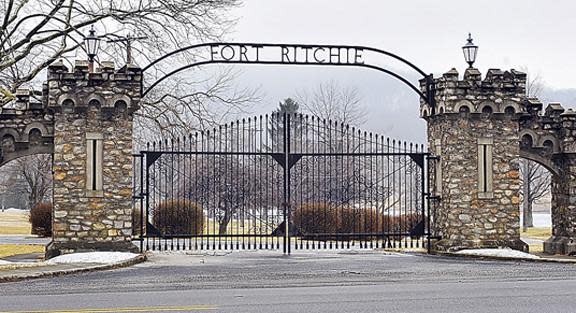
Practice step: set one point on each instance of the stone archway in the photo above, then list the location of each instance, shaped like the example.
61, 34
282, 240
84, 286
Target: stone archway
535, 202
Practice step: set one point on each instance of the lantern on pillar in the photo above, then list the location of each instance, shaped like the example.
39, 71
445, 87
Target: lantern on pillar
470, 50
92, 45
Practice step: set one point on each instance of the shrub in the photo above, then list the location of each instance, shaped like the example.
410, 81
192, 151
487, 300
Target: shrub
401, 224
361, 221
178, 217
335, 221
317, 218
41, 219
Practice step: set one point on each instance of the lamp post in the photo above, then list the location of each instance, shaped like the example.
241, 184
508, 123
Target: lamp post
470, 50
92, 45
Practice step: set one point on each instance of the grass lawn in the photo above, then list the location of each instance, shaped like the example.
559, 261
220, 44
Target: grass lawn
537, 247
9, 249
14, 223
541, 233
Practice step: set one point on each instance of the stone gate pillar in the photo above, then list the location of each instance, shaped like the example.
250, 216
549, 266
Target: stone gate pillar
92, 156
563, 240
474, 131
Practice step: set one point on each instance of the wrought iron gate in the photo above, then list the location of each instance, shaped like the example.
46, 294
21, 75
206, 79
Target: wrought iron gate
284, 182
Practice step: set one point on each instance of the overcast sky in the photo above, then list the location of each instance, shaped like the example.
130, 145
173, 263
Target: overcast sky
536, 35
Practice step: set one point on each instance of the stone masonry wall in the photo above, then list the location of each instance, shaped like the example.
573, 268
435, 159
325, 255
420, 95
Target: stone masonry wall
26, 128
464, 219
469, 112
563, 240
84, 103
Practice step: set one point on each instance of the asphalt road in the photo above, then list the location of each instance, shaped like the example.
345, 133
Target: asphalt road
312, 282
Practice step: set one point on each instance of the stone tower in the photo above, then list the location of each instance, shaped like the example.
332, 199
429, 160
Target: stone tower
474, 132
549, 138
92, 156
563, 240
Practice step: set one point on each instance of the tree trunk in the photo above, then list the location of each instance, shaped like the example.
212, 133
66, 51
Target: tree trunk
526, 205
32, 198
528, 221
223, 225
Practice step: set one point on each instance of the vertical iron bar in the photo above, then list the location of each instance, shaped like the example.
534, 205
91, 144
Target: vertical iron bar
285, 170
395, 219
371, 192
429, 181
268, 200
349, 183
412, 198
203, 186
330, 199
287, 182
145, 210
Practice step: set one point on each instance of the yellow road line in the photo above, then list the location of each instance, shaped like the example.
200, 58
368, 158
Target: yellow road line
132, 309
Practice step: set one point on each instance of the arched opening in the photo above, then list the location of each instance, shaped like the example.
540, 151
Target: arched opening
120, 105
8, 144
35, 137
526, 141
94, 103
464, 109
548, 146
68, 106
23, 194
510, 110
487, 109
535, 203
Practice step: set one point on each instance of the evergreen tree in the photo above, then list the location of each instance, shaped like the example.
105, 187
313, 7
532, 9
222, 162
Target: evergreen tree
276, 124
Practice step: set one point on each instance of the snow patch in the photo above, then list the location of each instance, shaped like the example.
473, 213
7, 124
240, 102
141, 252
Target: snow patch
14, 210
93, 257
505, 252
2, 262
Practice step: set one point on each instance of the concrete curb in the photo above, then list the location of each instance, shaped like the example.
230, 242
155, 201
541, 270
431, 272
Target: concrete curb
502, 258
41, 274
16, 266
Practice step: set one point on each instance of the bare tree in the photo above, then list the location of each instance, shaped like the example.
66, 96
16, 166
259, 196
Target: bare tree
34, 34
32, 176
337, 110
12, 189
184, 106
534, 85
535, 185
236, 192
330, 101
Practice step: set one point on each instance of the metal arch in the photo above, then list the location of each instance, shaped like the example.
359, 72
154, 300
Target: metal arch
390, 54
428, 97
402, 79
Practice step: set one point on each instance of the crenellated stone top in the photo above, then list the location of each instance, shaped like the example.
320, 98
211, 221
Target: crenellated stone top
500, 92
108, 88
26, 99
